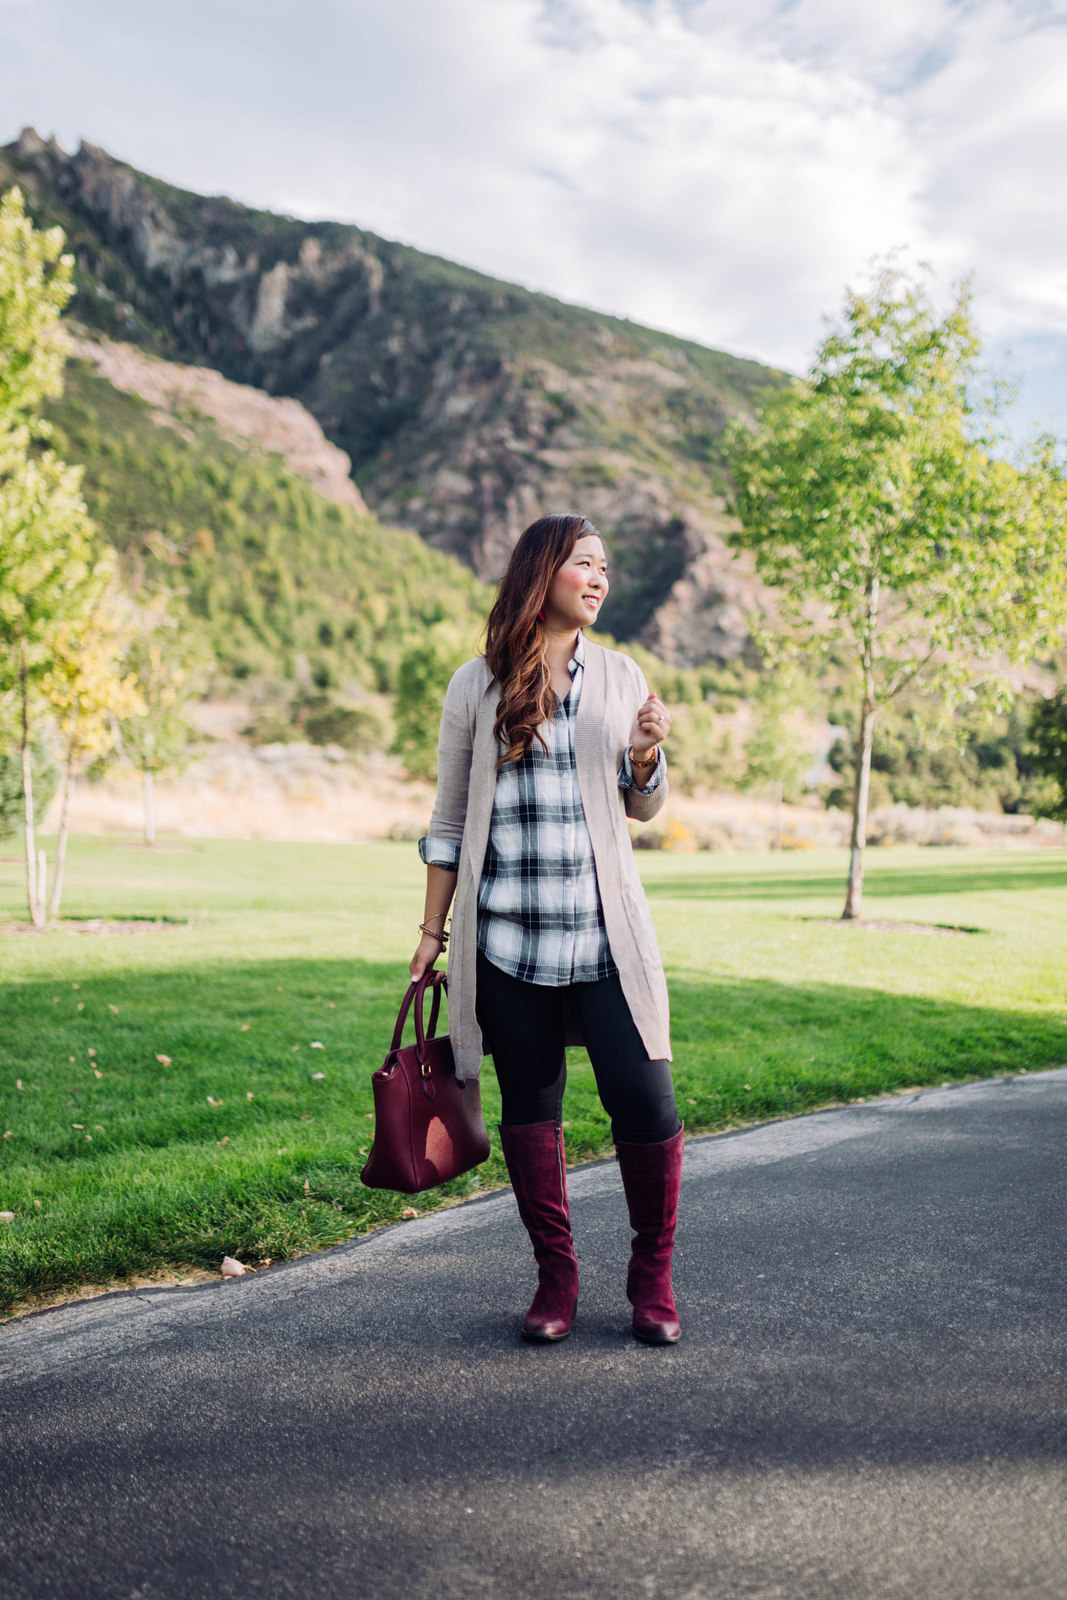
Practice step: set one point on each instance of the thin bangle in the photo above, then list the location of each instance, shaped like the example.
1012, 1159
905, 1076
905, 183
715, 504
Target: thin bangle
442, 937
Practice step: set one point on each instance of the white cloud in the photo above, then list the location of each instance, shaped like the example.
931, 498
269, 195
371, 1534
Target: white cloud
717, 167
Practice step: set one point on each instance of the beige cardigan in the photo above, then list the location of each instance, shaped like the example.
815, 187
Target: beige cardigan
613, 689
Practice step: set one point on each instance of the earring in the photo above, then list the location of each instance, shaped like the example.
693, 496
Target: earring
541, 615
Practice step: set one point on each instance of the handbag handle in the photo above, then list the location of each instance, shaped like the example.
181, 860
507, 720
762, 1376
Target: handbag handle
431, 979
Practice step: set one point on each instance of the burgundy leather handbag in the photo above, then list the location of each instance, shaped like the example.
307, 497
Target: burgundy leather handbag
428, 1123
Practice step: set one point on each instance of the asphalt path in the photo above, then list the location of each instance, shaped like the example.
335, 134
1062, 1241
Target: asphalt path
869, 1398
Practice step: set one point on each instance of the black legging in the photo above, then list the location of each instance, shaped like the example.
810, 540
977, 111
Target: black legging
522, 1024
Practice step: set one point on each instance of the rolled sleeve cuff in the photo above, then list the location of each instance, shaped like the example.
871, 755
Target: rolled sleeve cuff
439, 853
626, 774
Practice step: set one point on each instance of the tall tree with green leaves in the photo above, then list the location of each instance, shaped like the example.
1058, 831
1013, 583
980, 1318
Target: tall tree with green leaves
45, 532
45, 565
877, 500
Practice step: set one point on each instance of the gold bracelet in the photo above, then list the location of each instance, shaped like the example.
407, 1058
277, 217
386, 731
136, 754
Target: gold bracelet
650, 761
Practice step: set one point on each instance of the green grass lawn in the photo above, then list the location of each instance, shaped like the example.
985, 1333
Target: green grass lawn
118, 1162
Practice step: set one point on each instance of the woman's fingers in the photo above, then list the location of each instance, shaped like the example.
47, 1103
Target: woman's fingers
654, 717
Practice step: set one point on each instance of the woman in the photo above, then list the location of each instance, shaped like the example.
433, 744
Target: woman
548, 743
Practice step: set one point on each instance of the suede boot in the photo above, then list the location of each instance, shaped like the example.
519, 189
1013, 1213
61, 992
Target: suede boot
536, 1166
651, 1177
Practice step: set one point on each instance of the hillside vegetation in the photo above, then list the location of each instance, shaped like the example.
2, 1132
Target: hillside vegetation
280, 583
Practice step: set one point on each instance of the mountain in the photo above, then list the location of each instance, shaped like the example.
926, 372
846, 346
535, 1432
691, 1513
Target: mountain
467, 406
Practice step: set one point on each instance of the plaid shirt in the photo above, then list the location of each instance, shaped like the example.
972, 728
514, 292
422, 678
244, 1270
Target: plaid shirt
539, 912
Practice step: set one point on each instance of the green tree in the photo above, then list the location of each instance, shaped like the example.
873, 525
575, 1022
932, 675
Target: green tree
45, 533
875, 501
1048, 746
45, 563
87, 688
36, 282
164, 671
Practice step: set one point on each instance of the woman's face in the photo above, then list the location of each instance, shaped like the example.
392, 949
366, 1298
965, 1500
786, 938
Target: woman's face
580, 587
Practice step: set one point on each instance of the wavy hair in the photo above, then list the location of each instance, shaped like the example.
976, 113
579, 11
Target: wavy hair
515, 633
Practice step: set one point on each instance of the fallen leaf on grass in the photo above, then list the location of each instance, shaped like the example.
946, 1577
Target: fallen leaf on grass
164, 1061
7, 1216
75, 985
55, 999
296, 1047
81, 1005
231, 1268
248, 1096
212, 1102
18, 1081
284, 1151
317, 1045
97, 1073
9, 1134
113, 1009
245, 1027
90, 1052
307, 1187
316, 1076
363, 1149
37, 1203
408, 1212
80, 1125
223, 1141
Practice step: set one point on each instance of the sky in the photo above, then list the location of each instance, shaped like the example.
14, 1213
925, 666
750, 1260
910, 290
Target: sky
721, 169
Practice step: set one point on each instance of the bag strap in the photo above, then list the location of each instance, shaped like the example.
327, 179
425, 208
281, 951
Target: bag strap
431, 979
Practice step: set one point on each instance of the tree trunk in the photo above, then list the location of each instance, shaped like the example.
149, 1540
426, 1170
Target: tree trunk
35, 899
149, 808
61, 844
860, 795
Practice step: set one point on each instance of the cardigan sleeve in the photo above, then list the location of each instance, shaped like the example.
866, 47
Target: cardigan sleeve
454, 749
643, 804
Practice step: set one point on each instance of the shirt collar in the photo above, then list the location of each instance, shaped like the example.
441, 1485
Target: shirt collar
578, 658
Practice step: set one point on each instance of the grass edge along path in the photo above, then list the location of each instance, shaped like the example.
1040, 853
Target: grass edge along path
171, 1108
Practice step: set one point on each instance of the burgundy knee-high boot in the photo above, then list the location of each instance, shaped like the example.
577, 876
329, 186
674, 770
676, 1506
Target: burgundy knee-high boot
651, 1177
535, 1160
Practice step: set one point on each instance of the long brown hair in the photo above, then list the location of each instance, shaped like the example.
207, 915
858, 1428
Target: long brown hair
515, 633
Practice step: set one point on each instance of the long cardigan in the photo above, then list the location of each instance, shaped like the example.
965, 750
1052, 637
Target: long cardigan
613, 689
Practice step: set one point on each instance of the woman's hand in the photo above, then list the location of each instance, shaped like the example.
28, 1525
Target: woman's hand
652, 726
424, 957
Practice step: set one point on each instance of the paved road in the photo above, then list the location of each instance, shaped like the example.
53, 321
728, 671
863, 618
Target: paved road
869, 1400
